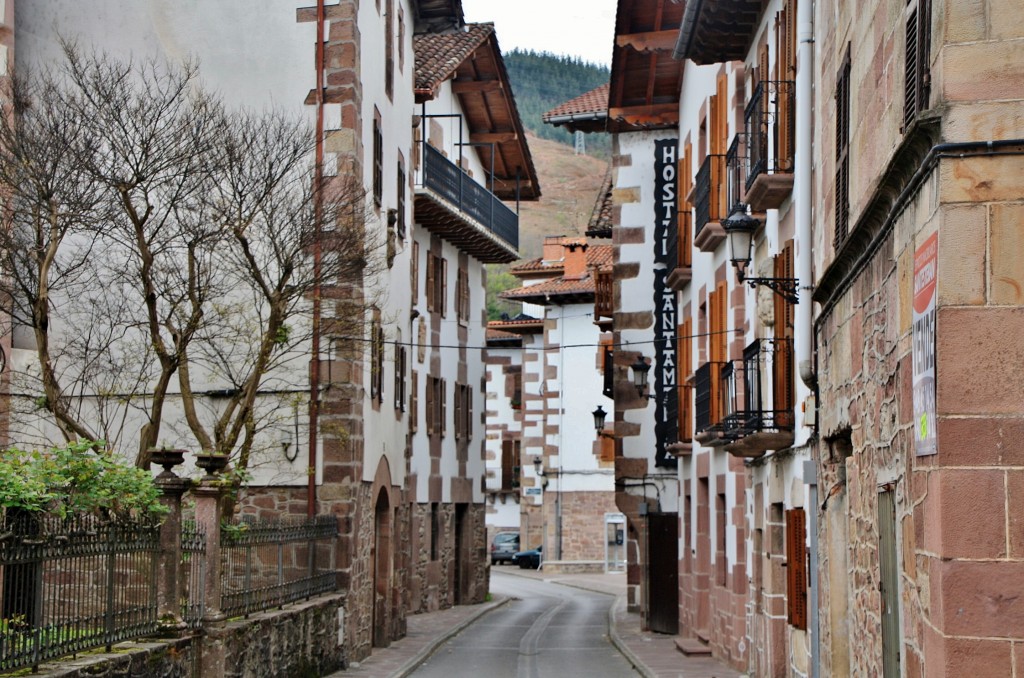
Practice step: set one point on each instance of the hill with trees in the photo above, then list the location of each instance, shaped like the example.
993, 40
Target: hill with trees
541, 81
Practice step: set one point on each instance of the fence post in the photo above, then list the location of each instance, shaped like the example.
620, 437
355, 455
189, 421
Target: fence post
208, 497
169, 576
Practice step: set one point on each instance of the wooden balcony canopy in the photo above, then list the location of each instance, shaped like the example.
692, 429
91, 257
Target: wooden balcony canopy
646, 78
715, 31
472, 60
434, 15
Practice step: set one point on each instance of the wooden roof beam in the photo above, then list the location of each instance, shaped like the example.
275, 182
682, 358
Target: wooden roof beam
461, 86
651, 41
492, 137
651, 115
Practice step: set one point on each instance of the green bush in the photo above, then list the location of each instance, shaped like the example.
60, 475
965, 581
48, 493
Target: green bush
81, 478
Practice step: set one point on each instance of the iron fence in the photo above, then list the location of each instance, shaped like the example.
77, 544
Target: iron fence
269, 564
709, 192
193, 571
75, 584
767, 403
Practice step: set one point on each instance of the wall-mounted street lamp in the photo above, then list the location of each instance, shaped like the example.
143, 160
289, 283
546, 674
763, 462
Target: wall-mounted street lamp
538, 469
740, 228
599, 417
640, 370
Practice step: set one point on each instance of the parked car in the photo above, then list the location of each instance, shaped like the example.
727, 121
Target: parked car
528, 559
504, 546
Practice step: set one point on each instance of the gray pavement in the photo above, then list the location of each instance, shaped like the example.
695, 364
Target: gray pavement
653, 655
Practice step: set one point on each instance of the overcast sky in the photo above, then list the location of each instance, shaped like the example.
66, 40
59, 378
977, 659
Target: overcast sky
583, 28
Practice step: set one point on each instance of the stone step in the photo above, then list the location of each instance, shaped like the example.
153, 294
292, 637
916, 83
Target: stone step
692, 647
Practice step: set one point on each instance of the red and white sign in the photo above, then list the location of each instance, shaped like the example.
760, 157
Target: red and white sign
923, 352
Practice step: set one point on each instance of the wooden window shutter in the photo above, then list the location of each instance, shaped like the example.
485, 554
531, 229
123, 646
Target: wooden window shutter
444, 287
918, 48
430, 282
720, 144
507, 449
685, 365
414, 272
607, 449
431, 412
796, 568
414, 402
459, 413
685, 225
442, 398
784, 396
762, 73
719, 342
842, 193
400, 222
378, 161
785, 127
469, 412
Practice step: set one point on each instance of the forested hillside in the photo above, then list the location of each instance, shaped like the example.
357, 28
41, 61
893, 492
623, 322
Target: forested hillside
542, 81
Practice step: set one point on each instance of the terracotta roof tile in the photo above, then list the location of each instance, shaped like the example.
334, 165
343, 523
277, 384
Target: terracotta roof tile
559, 287
600, 225
438, 55
502, 335
594, 101
535, 266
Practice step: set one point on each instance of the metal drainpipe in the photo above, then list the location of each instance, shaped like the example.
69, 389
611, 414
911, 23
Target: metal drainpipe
803, 339
314, 363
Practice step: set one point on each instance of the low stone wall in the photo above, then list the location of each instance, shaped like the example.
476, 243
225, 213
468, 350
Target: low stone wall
574, 566
304, 639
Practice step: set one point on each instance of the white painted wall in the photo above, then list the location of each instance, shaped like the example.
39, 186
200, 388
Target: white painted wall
638, 296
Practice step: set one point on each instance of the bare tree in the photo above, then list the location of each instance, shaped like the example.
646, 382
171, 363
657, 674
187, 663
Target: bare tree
156, 240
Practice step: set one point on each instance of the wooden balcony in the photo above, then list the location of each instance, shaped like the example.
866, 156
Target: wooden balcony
454, 206
604, 300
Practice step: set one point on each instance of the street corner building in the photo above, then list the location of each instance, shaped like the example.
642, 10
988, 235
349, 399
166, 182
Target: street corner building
383, 423
815, 297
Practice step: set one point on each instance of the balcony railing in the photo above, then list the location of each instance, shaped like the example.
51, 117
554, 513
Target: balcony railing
771, 129
709, 192
736, 163
767, 398
449, 181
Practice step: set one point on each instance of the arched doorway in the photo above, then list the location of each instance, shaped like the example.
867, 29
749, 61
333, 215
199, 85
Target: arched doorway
383, 559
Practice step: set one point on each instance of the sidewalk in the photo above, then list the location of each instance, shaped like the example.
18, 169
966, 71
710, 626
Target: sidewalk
653, 655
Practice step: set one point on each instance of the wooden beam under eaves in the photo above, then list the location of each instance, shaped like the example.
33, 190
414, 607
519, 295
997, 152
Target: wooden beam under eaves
468, 86
642, 116
492, 137
651, 41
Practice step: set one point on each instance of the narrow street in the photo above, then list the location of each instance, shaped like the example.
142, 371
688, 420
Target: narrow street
546, 630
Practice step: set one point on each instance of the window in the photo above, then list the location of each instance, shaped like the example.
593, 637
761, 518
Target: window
917, 85
376, 358
437, 284
400, 367
785, 124
516, 378
684, 218
400, 221
463, 412
378, 160
462, 302
843, 151
608, 367
389, 49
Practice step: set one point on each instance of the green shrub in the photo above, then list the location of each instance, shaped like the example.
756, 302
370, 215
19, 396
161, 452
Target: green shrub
81, 478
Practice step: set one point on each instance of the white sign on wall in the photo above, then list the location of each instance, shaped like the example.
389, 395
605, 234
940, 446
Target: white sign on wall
923, 350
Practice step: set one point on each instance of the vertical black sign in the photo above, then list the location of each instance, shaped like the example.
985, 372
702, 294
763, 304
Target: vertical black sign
666, 313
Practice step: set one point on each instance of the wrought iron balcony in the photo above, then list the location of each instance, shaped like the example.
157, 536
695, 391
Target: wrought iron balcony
710, 203
765, 420
771, 132
450, 203
736, 162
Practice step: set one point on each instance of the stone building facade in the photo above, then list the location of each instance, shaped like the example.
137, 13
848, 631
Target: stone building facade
921, 557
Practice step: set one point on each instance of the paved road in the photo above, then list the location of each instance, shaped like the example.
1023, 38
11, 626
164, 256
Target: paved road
547, 630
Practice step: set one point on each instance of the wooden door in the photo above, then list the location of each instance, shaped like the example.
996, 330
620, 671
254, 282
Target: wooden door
663, 572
